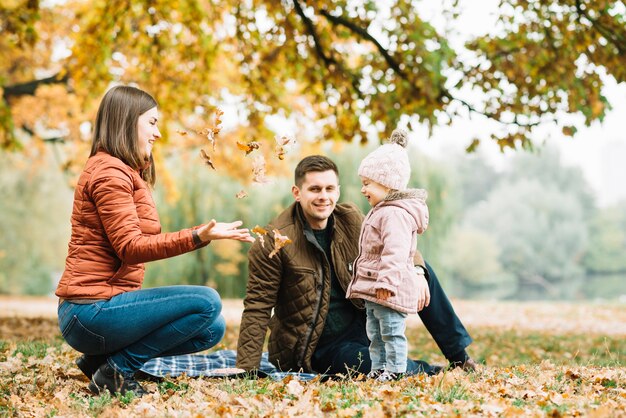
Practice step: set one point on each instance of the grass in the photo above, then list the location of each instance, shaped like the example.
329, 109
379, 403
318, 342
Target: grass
525, 373
450, 394
31, 348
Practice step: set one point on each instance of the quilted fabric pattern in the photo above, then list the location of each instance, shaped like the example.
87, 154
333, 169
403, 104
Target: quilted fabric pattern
296, 287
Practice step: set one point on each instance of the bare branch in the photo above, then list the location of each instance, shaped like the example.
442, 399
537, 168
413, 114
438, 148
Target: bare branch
28, 88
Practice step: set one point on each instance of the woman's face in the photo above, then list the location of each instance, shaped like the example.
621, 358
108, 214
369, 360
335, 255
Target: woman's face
373, 192
147, 131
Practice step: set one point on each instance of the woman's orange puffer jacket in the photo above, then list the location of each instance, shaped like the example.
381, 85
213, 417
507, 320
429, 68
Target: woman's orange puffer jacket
115, 229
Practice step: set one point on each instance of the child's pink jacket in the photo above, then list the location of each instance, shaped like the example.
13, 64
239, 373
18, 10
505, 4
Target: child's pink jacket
386, 248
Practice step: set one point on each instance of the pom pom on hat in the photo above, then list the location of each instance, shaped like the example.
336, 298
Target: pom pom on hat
389, 164
400, 137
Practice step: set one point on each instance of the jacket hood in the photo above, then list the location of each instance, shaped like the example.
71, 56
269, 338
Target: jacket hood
414, 202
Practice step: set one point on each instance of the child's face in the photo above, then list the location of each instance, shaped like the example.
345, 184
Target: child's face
373, 192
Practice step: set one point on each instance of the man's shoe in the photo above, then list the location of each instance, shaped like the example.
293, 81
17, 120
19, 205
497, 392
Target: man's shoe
468, 365
389, 376
106, 378
88, 364
435, 369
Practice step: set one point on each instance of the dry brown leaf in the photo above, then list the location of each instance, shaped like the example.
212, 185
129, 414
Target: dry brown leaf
211, 131
241, 194
258, 170
279, 242
248, 147
281, 142
207, 159
260, 232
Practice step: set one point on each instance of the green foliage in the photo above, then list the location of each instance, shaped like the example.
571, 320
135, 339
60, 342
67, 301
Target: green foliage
349, 66
546, 57
35, 214
535, 221
473, 178
541, 231
473, 260
606, 254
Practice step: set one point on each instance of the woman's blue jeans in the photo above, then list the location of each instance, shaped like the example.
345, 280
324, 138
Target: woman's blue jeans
134, 327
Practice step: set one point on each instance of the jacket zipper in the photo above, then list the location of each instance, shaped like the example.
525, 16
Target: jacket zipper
312, 325
319, 275
356, 260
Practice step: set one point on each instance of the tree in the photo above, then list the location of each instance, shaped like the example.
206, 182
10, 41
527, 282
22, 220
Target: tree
472, 265
607, 242
344, 65
542, 233
34, 226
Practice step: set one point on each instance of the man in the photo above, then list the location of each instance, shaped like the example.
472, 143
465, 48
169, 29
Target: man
313, 326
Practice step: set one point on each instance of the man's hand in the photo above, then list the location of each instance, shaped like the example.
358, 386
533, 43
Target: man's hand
383, 294
423, 292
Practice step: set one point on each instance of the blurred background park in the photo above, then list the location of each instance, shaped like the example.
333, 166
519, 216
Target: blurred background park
514, 111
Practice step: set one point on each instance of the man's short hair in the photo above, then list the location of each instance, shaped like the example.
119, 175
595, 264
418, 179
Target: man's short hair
313, 163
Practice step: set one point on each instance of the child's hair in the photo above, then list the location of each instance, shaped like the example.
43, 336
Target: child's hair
313, 163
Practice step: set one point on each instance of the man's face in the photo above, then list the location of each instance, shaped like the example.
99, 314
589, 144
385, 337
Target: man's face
318, 197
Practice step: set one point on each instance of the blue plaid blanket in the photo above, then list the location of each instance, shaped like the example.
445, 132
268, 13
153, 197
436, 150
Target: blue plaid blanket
210, 365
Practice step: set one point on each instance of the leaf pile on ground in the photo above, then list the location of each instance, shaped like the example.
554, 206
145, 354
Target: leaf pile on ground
524, 373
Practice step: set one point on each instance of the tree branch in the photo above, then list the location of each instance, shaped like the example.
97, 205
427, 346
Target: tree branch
328, 60
29, 88
311, 30
338, 20
609, 34
491, 116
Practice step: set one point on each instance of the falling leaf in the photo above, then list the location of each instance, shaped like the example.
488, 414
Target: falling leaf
181, 132
249, 147
279, 242
260, 232
284, 140
241, 194
207, 159
281, 142
258, 170
212, 131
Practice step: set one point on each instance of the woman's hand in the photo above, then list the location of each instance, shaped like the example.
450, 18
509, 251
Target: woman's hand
222, 230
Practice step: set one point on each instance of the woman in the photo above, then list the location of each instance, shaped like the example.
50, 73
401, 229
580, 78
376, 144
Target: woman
103, 312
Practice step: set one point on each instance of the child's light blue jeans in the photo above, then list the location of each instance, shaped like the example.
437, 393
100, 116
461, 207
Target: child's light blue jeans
388, 344
134, 327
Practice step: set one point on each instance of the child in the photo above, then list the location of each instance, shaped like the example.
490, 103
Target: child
383, 272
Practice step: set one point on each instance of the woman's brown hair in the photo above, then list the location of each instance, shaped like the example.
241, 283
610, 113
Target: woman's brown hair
116, 128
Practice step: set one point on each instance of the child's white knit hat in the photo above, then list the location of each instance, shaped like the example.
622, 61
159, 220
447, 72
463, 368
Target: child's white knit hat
389, 164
